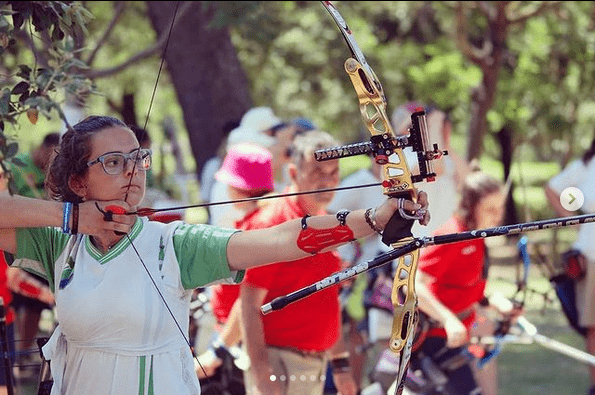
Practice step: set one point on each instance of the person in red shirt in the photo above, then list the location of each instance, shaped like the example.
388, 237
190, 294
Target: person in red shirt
289, 348
451, 282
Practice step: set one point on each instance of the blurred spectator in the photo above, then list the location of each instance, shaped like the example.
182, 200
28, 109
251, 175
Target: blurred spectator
262, 127
15, 281
30, 182
30, 177
207, 175
297, 340
580, 173
356, 326
451, 169
248, 173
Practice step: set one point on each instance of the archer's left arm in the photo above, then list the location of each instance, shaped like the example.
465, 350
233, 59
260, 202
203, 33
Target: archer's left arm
279, 243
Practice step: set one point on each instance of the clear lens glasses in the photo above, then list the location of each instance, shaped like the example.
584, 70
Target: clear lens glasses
115, 162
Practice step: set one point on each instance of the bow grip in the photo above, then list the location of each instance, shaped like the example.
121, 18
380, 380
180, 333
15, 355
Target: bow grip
396, 229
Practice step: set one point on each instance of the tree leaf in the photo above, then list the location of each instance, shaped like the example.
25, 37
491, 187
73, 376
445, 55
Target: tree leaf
24, 71
32, 115
5, 102
57, 33
21, 87
17, 20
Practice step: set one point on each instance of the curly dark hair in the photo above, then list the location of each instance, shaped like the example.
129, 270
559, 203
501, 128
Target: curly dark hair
71, 157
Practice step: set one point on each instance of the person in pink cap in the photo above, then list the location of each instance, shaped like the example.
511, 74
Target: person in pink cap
247, 172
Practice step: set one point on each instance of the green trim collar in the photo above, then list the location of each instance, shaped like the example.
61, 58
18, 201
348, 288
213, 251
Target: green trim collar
118, 248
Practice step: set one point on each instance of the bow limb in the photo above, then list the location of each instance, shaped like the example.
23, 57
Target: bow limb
373, 109
397, 182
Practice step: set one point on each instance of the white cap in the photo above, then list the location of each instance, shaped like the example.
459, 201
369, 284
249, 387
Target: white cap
247, 135
260, 119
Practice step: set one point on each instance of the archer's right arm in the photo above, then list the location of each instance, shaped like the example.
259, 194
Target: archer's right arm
22, 212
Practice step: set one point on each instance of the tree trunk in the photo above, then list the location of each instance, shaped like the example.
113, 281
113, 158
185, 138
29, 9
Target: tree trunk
483, 96
505, 139
209, 81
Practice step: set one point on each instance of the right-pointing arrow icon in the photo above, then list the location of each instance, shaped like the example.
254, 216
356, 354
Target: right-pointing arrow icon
572, 199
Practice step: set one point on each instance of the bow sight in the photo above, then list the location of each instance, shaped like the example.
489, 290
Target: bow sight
382, 146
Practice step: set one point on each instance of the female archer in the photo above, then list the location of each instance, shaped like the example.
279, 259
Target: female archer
121, 283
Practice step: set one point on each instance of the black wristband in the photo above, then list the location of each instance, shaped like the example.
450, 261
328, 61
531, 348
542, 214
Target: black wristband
75, 219
342, 216
219, 348
304, 224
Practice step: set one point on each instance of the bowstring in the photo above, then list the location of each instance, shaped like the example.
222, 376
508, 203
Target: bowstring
252, 199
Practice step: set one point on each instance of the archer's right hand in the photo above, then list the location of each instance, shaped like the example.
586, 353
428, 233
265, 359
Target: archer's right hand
456, 332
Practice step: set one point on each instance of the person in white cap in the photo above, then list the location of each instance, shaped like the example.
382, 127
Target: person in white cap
263, 120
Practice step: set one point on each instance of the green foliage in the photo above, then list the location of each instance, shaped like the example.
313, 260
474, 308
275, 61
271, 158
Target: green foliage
33, 88
545, 87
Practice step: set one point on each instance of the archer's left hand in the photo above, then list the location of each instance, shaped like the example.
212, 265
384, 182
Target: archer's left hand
387, 209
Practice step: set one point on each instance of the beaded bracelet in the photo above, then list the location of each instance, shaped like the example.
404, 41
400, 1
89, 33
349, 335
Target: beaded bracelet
372, 222
66, 217
342, 216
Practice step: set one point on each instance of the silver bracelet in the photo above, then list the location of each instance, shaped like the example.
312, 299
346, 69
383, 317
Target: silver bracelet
372, 221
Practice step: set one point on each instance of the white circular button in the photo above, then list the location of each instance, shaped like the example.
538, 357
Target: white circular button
572, 199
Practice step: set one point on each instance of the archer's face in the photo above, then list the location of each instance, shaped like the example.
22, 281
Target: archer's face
489, 212
128, 185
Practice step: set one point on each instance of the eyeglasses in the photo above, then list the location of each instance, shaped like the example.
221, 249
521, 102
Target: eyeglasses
115, 162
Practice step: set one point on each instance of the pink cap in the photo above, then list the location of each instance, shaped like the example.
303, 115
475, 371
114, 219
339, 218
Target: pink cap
248, 167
